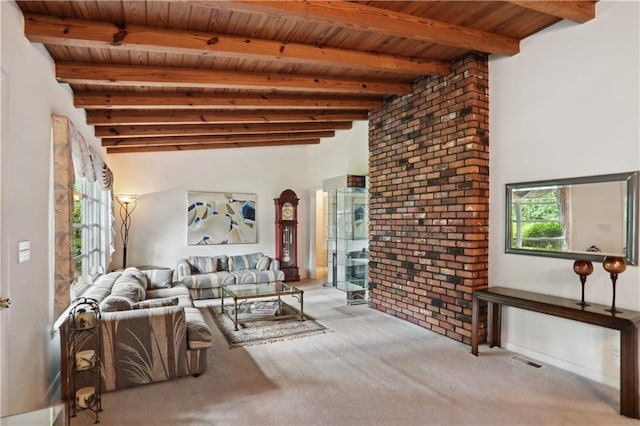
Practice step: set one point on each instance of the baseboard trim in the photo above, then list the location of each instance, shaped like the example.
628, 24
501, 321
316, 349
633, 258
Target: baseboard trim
597, 376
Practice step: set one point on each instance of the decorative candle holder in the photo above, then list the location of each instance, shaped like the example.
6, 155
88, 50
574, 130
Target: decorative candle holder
85, 397
583, 268
85, 313
85, 359
614, 266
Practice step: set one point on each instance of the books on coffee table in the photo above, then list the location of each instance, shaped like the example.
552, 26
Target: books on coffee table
269, 307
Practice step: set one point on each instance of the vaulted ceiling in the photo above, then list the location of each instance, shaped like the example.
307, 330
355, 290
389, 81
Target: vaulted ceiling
182, 75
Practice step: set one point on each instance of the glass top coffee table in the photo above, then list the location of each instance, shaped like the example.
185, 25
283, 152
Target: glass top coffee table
260, 302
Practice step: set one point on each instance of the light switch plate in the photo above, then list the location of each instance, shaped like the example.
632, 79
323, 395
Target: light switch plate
24, 251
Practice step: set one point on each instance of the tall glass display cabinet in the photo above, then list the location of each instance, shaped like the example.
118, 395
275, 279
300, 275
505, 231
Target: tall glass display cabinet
348, 243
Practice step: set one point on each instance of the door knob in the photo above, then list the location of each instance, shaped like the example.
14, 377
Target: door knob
5, 303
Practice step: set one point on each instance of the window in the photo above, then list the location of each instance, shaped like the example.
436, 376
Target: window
537, 220
83, 213
90, 238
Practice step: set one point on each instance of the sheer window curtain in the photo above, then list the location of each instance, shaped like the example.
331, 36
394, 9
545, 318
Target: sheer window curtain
564, 194
73, 156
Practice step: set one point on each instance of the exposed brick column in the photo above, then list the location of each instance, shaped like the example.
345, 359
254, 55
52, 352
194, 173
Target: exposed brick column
429, 199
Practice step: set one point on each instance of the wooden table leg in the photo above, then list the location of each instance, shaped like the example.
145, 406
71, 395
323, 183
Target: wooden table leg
475, 315
629, 372
494, 324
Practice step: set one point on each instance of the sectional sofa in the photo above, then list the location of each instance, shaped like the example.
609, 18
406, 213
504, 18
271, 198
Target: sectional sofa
150, 330
204, 275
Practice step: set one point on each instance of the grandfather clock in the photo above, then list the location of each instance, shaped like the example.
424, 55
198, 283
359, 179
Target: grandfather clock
287, 234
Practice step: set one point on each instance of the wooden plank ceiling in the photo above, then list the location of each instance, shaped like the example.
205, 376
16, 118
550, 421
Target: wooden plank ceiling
182, 75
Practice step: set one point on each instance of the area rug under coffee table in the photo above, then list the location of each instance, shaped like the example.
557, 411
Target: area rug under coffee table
259, 332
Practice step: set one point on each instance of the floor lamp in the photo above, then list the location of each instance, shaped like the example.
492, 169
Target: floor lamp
128, 204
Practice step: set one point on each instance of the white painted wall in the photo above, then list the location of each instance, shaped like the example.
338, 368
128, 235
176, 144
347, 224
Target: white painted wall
568, 105
33, 95
158, 234
346, 153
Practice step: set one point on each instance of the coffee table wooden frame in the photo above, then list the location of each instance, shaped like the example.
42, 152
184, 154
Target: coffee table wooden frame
241, 293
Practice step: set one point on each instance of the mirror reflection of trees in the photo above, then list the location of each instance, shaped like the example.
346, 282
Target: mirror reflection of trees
537, 221
588, 217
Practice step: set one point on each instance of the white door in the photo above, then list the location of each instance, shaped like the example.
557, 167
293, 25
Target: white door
321, 235
4, 285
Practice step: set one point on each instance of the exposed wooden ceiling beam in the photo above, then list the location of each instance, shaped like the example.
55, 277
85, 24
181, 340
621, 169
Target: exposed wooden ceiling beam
131, 75
105, 132
576, 11
139, 149
132, 100
109, 117
186, 140
373, 19
73, 32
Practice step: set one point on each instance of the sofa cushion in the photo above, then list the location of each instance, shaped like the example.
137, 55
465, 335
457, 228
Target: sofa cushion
215, 279
101, 287
264, 263
211, 264
244, 261
113, 303
132, 284
158, 278
253, 276
156, 303
205, 293
178, 291
203, 264
223, 262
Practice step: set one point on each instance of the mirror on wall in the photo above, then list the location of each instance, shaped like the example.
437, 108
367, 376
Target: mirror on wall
579, 218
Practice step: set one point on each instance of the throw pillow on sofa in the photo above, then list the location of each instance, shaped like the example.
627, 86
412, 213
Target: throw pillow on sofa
156, 303
158, 278
263, 263
203, 264
244, 261
113, 303
131, 285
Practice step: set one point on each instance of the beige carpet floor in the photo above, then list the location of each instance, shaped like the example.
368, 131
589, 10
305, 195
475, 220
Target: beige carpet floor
370, 369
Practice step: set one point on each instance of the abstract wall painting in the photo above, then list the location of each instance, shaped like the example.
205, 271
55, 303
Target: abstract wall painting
221, 218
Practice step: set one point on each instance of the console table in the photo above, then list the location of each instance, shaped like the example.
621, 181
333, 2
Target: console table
627, 322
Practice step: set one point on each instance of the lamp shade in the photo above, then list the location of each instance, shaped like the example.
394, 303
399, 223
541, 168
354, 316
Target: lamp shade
126, 198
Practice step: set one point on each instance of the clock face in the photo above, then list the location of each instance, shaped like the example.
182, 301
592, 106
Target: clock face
287, 211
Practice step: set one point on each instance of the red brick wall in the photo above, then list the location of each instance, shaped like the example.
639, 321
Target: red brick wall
429, 199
